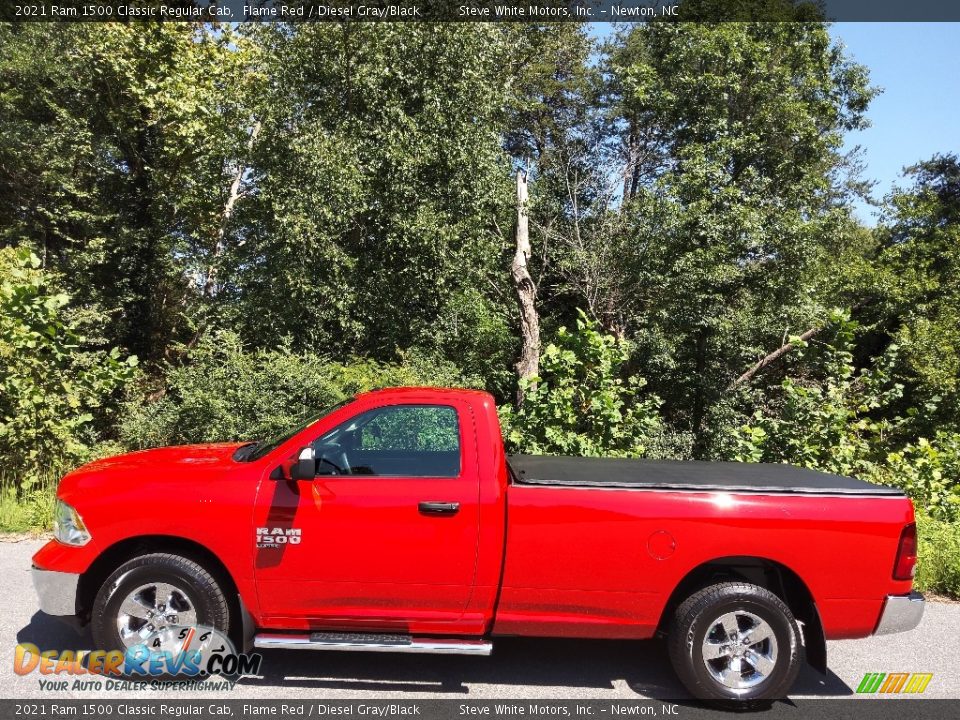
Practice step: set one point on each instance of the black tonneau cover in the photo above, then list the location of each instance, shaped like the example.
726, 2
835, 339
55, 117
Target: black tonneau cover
686, 475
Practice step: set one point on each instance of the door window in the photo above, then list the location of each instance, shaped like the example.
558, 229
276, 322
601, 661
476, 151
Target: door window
397, 440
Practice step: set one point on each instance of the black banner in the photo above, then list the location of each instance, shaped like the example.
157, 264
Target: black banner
605, 11
852, 709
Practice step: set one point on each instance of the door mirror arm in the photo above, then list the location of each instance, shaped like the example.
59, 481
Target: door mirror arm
303, 468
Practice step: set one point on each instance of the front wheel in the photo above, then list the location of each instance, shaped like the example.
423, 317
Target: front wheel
735, 641
155, 600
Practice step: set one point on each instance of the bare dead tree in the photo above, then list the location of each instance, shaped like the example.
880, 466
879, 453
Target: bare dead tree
234, 194
528, 366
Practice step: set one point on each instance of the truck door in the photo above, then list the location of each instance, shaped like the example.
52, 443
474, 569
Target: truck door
385, 535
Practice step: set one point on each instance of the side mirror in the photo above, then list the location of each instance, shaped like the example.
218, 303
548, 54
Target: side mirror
305, 468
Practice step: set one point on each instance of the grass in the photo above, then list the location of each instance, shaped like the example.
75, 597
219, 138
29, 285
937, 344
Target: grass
938, 562
26, 509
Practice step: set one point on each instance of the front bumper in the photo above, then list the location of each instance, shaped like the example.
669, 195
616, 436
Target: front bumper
900, 613
57, 591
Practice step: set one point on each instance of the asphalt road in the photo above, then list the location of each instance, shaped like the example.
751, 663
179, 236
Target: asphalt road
530, 669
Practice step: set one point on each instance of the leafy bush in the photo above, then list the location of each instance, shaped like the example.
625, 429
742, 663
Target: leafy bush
581, 404
832, 424
938, 562
827, 419
929, 472
224, 391
26, 510
53, 384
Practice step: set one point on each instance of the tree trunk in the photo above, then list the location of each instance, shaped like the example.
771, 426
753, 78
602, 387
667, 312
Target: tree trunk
700, 394
772, 357
529, 364
209, 286
629, 170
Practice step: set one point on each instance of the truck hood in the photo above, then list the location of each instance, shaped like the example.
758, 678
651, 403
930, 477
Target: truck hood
155, 464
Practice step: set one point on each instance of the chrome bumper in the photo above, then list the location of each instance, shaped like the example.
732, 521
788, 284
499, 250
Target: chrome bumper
57, 591
900, 613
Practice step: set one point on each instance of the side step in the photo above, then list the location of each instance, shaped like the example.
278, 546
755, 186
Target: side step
372, 642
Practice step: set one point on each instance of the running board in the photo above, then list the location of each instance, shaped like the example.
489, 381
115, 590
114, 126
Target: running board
370, 642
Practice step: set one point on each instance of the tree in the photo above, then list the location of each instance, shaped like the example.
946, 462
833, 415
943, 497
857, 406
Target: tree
736, 201
132, 145
555, 133
369, 227
528, 366
580, 403
911, 297
57, 387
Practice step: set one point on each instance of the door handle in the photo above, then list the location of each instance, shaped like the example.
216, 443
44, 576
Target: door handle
439, 508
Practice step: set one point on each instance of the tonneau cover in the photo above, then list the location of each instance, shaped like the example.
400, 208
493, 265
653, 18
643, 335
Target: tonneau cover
686, 475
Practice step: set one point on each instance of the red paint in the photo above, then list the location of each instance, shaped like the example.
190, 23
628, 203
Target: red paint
515, 559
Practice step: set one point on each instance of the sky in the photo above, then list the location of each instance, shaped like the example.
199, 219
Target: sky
916, 115
918, 112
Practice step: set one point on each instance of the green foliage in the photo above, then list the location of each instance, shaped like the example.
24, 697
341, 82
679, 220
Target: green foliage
53, 386
731, 210
225, 391
273, 217
379, 179
929, 472
840, 420
938, 560
831, 418
28, 510
581, 404
913, 290
420, 429
118, 145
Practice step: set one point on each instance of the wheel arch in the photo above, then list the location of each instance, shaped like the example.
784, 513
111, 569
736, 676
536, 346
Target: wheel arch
774, 576
123, 550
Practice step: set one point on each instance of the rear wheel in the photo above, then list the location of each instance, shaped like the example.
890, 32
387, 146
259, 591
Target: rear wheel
154, 600
735, 641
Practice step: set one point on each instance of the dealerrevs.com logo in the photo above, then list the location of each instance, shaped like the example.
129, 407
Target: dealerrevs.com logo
198, 655
888, 683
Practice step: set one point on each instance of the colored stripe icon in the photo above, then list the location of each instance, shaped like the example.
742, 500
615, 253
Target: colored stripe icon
894, 682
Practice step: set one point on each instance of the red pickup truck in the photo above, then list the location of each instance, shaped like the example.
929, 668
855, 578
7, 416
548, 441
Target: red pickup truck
394, 522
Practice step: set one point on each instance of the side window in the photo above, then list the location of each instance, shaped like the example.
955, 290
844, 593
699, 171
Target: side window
398, 440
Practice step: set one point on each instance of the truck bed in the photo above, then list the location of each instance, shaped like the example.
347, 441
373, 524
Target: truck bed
687, 475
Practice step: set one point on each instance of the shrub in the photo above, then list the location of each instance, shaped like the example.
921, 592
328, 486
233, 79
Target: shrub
54, 382
929, 472
827, 419
224, 391
581, 404
938, 561
26, 509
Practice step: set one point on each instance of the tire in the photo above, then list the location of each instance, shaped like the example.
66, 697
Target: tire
739, 670
194, 596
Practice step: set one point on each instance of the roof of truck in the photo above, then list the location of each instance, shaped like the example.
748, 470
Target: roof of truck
426, 390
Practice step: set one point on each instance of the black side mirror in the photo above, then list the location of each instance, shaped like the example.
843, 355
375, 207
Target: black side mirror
305, 468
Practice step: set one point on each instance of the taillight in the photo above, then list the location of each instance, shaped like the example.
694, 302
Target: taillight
906, 563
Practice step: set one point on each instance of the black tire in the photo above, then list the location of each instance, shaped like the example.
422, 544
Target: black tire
699, 614
205, 594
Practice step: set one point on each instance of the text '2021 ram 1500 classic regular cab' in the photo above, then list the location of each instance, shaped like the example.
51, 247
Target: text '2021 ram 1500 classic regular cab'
395, 522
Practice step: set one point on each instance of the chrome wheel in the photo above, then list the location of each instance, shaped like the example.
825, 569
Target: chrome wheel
740, 650
156, 611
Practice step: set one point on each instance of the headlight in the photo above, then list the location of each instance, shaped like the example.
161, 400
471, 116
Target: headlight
68, 527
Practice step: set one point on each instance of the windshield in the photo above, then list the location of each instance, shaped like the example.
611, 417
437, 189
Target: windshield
257, 450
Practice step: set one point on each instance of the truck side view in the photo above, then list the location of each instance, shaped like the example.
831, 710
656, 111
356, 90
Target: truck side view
395, 522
